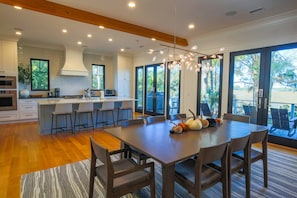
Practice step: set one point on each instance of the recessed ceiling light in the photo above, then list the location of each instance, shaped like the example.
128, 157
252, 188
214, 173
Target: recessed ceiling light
110, 39
222, 49
64, 31
131, 4
195, 47
18, 7
191, 26
153, 39
89, 35
101, 26
79, 42
122, 49
19, 33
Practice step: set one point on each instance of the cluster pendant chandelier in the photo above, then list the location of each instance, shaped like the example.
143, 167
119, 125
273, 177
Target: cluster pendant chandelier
183, 58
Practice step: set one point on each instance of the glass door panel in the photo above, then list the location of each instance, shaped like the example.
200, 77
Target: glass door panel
154, 89
160, 90
246, 84
139, 89
209, 84
173, 85
263, 85
282, 116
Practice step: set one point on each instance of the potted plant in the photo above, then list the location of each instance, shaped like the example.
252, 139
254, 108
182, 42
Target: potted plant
24, 76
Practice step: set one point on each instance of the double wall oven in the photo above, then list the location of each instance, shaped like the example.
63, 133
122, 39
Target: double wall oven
8, 93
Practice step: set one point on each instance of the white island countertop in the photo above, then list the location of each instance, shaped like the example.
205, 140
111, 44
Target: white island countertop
51, 101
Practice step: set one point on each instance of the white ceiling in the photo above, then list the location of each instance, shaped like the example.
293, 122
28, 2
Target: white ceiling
168, 16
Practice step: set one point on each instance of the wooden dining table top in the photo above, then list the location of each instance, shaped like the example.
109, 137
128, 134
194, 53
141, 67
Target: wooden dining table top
156, 141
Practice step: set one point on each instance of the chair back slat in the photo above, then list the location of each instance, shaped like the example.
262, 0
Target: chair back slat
258, 136
239, 118
211, 154
238, 144
126, 123
102, 154
85, 107
155, 119
63, 108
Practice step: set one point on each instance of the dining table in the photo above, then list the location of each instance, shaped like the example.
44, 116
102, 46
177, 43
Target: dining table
156, 141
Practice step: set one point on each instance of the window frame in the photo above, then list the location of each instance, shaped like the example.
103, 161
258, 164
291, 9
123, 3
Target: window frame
98, 65
48, 74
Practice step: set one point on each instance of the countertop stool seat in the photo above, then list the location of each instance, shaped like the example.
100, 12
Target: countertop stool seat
62, 110
84, 108
105, 110
125, 111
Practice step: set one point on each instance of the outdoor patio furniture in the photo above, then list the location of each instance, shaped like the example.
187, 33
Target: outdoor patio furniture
280, 120
205, 110
252, 112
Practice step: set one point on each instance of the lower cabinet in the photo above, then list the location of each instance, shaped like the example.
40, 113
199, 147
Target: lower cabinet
8, 115
28, 109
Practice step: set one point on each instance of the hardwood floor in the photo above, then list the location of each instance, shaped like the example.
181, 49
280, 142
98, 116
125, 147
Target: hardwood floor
23, 150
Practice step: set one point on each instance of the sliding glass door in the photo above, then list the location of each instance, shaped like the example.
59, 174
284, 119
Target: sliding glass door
154, 90
263, 85
209, 87
139, 83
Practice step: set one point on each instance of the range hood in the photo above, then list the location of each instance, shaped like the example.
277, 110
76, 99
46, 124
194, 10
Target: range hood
74, 65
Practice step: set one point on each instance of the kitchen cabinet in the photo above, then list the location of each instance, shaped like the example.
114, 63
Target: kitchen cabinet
8, 58
8, 116
28, 109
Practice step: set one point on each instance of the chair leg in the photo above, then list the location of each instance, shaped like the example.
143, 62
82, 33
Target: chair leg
71, 126
52, 125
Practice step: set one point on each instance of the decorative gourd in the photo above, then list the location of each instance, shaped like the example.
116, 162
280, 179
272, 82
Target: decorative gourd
204, 122
193, 123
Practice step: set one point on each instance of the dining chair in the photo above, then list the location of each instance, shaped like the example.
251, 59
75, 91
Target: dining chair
180, 116
256, 155
194, 174
155, 119
119, 177
133, 152
235, 164
235, 117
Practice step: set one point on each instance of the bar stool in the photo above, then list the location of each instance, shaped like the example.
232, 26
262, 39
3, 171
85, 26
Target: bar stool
86, 108
105, 109
64, 110
126, 106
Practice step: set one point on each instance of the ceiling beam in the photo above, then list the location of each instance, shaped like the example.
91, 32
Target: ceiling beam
59, 10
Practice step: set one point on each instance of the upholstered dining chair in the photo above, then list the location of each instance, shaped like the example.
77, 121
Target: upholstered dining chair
235, 117
194, 174
180, 116
256, 155
119, 177
155, 119
235, 164
133, 152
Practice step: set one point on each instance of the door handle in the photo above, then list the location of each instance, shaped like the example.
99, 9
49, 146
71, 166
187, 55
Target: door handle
259, 103
265, 103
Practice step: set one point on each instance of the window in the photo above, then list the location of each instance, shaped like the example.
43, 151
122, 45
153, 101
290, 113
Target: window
98, 76
39, 75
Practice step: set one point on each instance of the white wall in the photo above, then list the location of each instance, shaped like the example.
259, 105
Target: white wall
277, 30
69, 85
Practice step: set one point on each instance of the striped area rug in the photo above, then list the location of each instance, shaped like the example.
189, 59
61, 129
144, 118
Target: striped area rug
72, 180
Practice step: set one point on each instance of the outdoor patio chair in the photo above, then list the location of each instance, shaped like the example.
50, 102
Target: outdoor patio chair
252, 112
280, 120
205, 110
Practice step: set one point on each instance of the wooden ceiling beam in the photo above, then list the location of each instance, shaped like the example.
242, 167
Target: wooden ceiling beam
59, 10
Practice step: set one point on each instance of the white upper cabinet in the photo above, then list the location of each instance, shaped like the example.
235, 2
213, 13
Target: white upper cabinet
8, 58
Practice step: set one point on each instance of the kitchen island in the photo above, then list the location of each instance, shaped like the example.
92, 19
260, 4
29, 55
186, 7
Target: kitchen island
46, 107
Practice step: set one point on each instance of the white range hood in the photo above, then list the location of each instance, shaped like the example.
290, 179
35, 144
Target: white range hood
74, 65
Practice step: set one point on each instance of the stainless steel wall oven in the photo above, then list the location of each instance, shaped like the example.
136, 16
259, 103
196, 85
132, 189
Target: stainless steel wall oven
8, 100
8, 82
